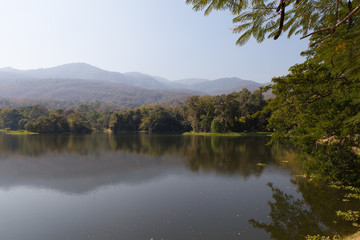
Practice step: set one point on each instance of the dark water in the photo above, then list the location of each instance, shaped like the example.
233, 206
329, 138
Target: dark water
134, 187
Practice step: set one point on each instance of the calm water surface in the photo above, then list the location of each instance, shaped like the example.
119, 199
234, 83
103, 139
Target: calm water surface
135, 187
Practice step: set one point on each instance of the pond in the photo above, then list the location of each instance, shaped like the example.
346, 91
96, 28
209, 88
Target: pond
142, 186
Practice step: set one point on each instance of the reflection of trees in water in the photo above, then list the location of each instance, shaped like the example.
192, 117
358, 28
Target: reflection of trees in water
38, 145
220, 154
224, 155
148, 144
228, 155
290, 218
293, 218
324, 201
287, 156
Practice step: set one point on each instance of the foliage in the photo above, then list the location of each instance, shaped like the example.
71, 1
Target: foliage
216, 126
19, 132
330, 24
151, 118
353, 195
78, 124
125, 121
228, 134
318, 237
233, 111
9, 118
55, 123
198, 114
319, 111
349, 215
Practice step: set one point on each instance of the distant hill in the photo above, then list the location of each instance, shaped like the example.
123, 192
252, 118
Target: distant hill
86, 72
191, 81
82, 82
151, 82
225, 85
87, 91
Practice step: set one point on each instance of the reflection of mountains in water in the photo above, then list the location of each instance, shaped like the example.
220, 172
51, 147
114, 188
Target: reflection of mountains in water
79, 164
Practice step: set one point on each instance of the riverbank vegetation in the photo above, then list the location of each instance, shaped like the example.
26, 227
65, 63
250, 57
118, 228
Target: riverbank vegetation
317, 105
234, 112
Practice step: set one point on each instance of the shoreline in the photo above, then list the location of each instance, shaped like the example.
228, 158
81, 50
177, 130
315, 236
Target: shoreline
228, 134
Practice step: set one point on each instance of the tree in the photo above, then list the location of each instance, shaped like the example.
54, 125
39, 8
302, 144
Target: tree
330, 24
317, 105
9, 118
192, 108
160, 119
123, 121
38, 111
55, 123
216, 126
320, 112
78, 124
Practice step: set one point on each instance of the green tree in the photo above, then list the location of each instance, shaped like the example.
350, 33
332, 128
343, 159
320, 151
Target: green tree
38, 111
55, 123
317, 104
193, 111
9, 118
332, 25
160, 119
124, 121
78, 124
319, 111
216, 126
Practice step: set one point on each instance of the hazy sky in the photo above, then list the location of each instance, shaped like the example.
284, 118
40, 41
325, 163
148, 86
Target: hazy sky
158, 37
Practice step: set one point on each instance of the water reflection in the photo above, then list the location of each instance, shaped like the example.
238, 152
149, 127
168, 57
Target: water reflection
106, 159
158, 186
290, 218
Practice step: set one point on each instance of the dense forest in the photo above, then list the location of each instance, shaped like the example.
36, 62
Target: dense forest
237, 111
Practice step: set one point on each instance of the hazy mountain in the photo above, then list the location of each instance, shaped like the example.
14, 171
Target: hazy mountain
191, 81
225, 85
151, 82
85, 71
87, 91
83, 82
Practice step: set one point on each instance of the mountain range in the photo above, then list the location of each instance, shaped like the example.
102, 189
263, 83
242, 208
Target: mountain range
85, 83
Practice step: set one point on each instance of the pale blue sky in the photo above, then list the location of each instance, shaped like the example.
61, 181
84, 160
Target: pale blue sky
158, 37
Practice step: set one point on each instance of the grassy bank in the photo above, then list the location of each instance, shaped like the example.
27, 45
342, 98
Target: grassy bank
20, 132
229, 134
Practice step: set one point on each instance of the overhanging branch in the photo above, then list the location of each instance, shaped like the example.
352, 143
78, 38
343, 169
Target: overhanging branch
332, 29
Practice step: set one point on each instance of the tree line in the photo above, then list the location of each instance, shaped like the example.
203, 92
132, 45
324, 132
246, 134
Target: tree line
317, 105
237, 111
